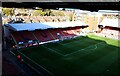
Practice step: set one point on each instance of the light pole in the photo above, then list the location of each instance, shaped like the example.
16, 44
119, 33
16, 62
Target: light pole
94, 23
14, 16
99, 16
73, 15
93, 15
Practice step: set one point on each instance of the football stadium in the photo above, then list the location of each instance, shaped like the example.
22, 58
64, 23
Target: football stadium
87, 44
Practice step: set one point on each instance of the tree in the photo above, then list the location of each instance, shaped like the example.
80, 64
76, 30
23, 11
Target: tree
38, 13
47, 12
8, 11
71, 16
57, 13
22, 11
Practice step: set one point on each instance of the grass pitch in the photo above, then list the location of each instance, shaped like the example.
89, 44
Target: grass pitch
90, 55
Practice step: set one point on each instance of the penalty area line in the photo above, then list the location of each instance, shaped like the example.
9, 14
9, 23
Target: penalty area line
84, 49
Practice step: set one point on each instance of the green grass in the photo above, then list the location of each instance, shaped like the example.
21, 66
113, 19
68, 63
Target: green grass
80, 56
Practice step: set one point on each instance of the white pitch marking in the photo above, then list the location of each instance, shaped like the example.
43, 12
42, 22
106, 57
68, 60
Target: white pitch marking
71, 42
95, 47
53, 50
83, 49
12, 52
37, 64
